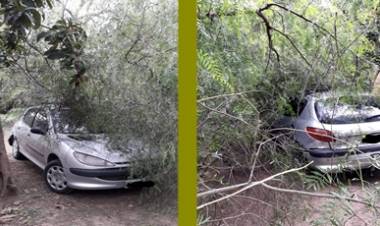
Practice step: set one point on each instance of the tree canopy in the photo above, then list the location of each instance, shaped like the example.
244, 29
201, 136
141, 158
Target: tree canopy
256, 62
114, 59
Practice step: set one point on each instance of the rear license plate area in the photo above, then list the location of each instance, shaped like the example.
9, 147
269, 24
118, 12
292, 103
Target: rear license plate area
371, 138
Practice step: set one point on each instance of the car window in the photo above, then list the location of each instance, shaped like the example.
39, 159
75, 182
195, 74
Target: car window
40, 120
348, 109
301, 106
64, 122
29, 116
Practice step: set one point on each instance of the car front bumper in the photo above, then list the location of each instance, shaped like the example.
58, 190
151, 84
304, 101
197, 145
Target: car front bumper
99, 179
335, 161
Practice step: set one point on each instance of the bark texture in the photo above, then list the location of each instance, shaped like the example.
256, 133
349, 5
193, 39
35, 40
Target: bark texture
5, 172
376, 85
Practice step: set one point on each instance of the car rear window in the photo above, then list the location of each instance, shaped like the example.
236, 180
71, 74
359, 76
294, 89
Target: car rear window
301, 106
348, 109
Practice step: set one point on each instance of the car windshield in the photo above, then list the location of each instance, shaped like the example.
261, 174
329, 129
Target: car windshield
65, 123
348, 109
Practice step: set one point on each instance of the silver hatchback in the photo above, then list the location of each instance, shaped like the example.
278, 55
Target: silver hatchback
340, 131
71, 157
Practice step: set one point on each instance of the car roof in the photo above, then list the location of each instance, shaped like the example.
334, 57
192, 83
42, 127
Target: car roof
49, 106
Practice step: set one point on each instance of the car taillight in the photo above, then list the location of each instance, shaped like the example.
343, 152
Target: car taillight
320, 134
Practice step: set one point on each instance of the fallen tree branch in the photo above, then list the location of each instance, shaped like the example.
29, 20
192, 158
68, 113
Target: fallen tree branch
258, 153
294, 46
246, 187
268, 29
226, 114
319, 194
270, 5
229, 95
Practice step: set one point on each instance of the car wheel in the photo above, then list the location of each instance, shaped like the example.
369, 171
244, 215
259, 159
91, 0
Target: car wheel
55, 177
16, 151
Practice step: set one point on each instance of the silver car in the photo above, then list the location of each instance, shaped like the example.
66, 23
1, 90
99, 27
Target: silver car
339, 131
71, 157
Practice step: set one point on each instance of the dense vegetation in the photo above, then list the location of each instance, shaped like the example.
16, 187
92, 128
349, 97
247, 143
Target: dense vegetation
113, 63
257, 59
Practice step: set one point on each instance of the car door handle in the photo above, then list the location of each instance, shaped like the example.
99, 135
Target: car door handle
28, 134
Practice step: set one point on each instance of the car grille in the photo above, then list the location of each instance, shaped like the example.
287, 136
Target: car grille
121, 163
113, 178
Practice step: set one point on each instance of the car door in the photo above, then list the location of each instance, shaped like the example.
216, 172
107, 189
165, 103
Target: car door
22, 133
39, 142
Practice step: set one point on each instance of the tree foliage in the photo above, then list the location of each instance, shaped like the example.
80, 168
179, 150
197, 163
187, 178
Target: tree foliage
258, 59
114, 64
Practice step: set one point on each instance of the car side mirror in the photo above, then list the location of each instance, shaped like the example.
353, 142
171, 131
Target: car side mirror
38, 131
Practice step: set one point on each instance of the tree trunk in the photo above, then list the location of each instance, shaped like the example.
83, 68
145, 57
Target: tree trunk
5, 173
375, 81
376, 85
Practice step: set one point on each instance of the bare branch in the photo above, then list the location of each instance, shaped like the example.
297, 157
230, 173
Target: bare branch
269, 34
226, 114
320, 195
246, 186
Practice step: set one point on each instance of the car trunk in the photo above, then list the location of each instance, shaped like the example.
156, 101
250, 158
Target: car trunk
354, 121
354, 134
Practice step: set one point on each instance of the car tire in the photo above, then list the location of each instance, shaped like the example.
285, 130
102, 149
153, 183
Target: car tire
55, 177
16, 151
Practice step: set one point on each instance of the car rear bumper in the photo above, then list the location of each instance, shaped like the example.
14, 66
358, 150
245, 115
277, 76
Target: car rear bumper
327, 160
98, 179
328, 152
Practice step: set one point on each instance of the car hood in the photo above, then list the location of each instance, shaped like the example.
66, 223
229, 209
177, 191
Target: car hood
97, 145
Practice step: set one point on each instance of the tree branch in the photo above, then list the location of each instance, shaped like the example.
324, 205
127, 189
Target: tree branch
246, 187
319, 194
269, 34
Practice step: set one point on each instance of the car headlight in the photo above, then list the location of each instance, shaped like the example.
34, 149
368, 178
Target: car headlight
91, 160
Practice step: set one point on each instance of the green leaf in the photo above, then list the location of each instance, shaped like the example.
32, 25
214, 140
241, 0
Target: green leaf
54, 54
39, 3
49, 3
25, 20
36, 17
42, 35
80, 67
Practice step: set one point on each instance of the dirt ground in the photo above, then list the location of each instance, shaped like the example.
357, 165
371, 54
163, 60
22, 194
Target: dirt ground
320, 211
35, 204
261, 207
